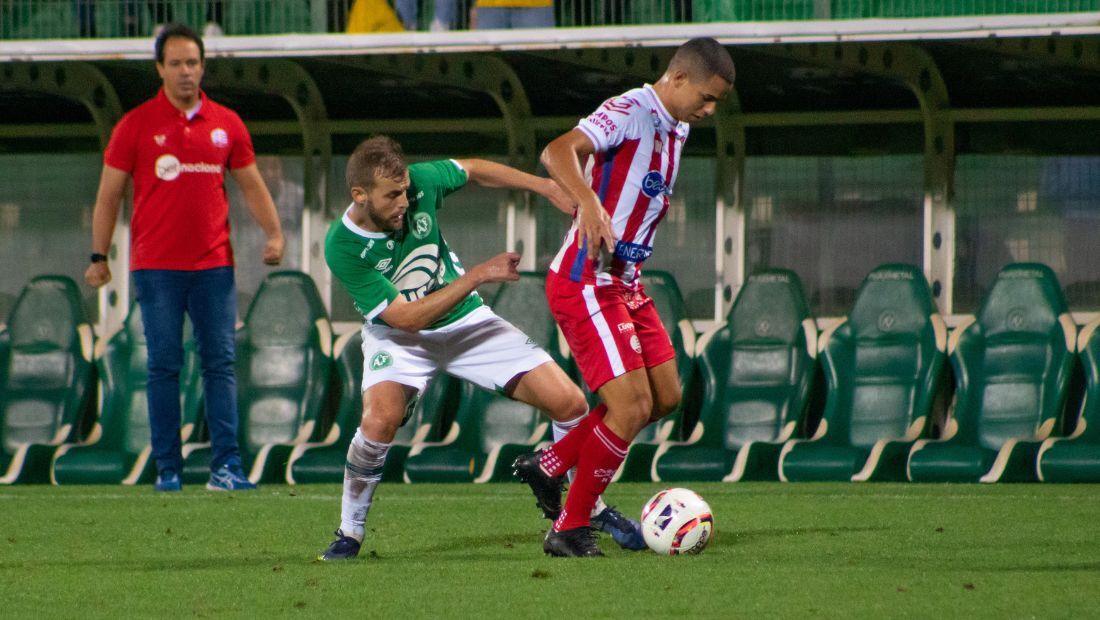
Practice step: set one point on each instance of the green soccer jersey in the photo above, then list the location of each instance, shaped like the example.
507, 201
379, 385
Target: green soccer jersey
376, 267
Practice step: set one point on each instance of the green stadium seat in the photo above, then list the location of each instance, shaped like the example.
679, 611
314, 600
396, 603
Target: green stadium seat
523, 304
323, 461
662, 289
118, 449
489, 429
757, 369
47, 379
488, 432
1012, 367
284, 363
1077, 458
884, 368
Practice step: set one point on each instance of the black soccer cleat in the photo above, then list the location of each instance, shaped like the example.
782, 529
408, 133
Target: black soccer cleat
343, 548
579, 542
547, 489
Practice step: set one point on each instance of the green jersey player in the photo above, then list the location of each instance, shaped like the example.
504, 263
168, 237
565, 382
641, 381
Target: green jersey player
421, 310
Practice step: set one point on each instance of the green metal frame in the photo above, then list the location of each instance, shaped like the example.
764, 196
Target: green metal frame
84, 83
495, 77
288, 80
917, 70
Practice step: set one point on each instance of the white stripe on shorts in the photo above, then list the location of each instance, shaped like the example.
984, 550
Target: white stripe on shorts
603, 329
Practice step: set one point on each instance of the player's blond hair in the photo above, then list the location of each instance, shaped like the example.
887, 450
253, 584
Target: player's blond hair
376, 157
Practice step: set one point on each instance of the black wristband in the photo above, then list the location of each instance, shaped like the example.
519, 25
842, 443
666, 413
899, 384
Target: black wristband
98, 258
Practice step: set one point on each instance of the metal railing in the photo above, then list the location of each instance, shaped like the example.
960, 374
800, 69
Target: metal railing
51, 19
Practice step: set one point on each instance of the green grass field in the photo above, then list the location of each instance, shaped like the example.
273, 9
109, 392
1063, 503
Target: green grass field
787, 550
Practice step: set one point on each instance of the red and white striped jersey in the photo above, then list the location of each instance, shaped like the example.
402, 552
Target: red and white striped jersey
637, 155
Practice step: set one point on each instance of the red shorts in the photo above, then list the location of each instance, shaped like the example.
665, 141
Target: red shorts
611, 330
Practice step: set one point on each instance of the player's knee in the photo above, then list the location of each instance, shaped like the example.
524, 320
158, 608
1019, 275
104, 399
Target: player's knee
379, 427
639, 409
570, 406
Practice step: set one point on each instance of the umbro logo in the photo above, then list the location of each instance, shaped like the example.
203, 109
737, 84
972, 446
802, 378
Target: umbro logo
383, 264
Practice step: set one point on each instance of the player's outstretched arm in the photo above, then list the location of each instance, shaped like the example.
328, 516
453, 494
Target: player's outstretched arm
112, 184
262, 208
413, 316
491, 174
562, 159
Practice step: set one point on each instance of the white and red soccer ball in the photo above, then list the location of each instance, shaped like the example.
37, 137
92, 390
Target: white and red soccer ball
677, 522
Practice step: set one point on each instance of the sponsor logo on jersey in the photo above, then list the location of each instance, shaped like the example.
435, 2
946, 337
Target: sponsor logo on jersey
421, 225
419, 273
219, 138
380, 360
632, 252
653, 184
389, 244
383, 265
604, 122
168, 168
160, 139
635, 343
626, 327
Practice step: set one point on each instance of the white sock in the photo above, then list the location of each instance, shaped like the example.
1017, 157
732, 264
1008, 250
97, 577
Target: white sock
362, 473
598, 508
561, 429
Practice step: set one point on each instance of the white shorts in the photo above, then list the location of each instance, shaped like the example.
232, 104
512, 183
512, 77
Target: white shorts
481, 348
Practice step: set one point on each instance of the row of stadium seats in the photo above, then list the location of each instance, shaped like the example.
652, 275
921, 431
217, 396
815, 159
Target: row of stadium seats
297, 408
52, 429
882, 412
885, 370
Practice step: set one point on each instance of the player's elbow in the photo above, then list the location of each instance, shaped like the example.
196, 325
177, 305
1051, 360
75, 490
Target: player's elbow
546, 158
399, 317
407, 324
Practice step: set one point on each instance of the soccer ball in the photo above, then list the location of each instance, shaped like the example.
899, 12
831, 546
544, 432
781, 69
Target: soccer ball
677, 522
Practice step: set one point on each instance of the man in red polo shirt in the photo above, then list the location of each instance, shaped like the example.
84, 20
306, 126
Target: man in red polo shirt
177, 147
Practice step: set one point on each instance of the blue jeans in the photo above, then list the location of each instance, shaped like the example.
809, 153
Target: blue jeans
445, 11
492, 17
209, 297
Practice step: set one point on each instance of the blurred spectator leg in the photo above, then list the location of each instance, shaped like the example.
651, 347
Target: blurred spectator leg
162, 14
85, 16
131, 23
533, 17
407, 10
214, 19
446, 13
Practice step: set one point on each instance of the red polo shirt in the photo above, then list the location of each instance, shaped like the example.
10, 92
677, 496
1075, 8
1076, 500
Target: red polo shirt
181, 214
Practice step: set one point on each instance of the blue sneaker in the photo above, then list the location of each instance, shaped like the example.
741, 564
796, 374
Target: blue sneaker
626, 532
168, 480
229, 478
343, 548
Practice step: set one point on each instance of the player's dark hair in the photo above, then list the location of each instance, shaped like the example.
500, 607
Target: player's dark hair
703, 57
181, 31
377, 156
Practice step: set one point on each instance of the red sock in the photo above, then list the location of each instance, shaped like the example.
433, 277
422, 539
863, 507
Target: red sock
561, 456
600, 458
